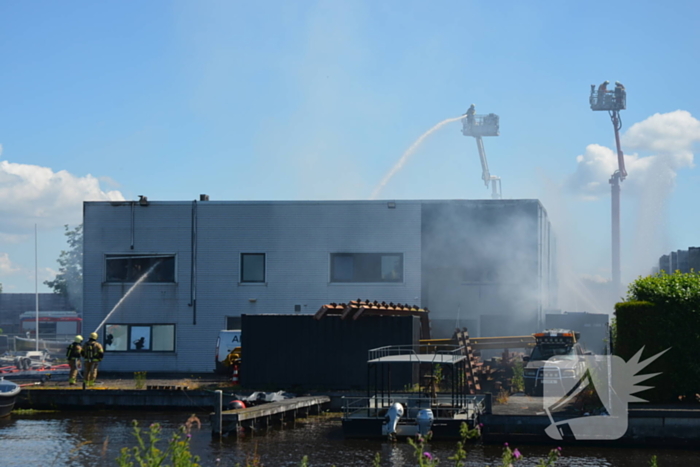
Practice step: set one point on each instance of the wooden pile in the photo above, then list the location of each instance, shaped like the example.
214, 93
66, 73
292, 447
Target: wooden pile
355, 309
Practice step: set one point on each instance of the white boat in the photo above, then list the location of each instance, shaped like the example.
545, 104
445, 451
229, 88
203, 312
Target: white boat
8, 396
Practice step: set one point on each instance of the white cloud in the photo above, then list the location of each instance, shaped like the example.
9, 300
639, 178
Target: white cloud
668, 138
6, 238
37, 195
7, 268
669, 135
44, 274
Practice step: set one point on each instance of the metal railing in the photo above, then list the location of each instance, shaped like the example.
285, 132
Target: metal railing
413, 351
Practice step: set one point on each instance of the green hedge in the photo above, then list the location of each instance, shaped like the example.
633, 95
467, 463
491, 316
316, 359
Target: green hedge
663, 311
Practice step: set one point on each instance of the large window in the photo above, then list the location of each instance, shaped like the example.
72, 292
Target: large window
367, 267
252, 267
139, 338
129, 268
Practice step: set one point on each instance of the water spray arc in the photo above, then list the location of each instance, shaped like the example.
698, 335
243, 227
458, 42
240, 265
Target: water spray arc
407, 154
128, 292
613, 102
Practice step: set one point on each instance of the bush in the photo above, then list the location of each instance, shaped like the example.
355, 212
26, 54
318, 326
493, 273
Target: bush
663, 311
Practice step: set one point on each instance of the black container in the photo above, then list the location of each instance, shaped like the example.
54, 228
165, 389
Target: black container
297, 351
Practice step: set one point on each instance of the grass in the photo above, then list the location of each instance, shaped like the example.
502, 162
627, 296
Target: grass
502, 396
31, 411
139, 379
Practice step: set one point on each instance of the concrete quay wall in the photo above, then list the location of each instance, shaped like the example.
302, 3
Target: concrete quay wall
677, 427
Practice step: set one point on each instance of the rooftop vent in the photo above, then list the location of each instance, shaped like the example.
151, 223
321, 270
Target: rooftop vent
204, 197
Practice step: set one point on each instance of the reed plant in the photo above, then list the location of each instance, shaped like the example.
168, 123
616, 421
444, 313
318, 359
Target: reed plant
146, 453
139, 379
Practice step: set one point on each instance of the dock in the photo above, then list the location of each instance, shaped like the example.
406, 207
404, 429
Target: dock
252, 419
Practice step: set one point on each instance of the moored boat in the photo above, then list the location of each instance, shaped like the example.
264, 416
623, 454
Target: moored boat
8, 396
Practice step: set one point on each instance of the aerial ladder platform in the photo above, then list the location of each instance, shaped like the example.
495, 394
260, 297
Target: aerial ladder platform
612, 101
478, 126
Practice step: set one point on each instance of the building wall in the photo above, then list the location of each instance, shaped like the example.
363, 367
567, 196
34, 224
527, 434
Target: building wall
462, 259
296, 237
12, 305
487, 260
681, 260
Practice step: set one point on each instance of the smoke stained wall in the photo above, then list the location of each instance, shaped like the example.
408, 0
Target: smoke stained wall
488, 265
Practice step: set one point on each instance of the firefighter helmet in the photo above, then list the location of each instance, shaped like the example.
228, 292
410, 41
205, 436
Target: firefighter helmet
93, 335
78, 339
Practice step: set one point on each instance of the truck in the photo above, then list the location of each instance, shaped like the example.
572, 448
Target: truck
557, 359
228, 341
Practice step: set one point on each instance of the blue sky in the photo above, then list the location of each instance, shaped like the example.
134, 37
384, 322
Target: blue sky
318, 100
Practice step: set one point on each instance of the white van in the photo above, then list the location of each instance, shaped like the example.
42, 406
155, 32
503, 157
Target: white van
226, 342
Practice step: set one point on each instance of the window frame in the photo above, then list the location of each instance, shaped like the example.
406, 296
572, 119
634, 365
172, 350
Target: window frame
332, 270
129, 338
117, 256
264, 269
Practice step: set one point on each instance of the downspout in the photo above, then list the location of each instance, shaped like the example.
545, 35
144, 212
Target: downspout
133, 203
193, 272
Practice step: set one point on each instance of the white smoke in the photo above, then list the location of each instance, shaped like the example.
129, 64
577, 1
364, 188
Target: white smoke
37, 195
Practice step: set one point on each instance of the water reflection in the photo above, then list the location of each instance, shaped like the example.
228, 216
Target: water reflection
95, 438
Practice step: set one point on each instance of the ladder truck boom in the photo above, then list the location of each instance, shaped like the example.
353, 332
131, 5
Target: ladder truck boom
478, 126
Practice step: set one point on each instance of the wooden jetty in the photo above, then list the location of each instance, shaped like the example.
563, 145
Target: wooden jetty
265, 415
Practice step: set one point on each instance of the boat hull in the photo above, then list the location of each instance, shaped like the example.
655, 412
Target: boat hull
53, 373
8, 396
371, 428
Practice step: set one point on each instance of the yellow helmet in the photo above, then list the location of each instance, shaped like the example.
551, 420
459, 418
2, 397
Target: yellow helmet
93, 335
78, 339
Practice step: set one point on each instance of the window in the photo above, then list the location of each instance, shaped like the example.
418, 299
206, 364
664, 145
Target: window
252, 267
129, 268
367, 267
139, 338
233, 322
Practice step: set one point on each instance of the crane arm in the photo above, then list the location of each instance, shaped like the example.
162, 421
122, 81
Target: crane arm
485, 174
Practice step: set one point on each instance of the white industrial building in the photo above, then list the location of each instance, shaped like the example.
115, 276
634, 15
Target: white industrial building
485, 264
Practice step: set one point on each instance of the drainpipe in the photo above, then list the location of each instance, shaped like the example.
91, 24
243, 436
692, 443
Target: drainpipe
193, 272
133, 204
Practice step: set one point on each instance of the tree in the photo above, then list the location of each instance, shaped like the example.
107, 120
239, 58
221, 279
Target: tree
69, 280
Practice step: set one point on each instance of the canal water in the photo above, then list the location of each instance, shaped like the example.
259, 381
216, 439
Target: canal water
95, 439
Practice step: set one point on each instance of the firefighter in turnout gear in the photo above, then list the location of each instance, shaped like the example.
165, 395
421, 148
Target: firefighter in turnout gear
73, 356
92, 353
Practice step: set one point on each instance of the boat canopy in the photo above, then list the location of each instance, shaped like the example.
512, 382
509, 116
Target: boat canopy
442, 354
